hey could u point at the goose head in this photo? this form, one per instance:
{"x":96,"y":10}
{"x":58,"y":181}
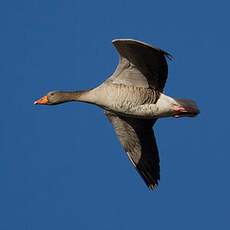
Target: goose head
{"x":52,"y":98}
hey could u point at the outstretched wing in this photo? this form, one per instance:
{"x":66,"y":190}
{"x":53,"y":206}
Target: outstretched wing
{"x":140,"y":65}
{"x":137,"y":138}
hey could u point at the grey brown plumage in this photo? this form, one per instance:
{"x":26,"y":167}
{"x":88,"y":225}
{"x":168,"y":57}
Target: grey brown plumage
{"x":133,"y":99}
{"x":138,"y":140}
{"x":140,"y":65}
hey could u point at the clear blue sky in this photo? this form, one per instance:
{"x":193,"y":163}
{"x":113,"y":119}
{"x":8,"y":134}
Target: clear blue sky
{"x":62,"y":167}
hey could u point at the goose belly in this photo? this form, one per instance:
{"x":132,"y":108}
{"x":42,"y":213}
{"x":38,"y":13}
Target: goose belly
{"x":130,"y":101}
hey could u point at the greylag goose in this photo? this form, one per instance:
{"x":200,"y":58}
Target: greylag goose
{"x":133,"y":99}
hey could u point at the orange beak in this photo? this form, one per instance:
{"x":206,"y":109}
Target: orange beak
{"x":42,"y":101}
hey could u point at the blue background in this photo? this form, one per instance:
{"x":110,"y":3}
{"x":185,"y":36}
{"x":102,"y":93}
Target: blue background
{"x":62,"y":167}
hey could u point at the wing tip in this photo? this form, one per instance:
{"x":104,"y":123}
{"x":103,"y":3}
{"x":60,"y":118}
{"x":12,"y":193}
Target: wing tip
{"x":150,"y":180}
{"x":153,"y":186}
{"x":169,"y":56}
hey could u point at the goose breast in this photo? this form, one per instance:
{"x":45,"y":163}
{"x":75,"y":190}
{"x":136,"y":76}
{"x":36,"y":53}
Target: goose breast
{"x":122,"y":98}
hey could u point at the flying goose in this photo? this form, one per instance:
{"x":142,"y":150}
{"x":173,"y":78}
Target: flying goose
{"x":133,"y":99}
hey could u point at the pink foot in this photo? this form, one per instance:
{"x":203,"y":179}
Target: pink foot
{"x":185,"y":110}
{"x":181,"y":109}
